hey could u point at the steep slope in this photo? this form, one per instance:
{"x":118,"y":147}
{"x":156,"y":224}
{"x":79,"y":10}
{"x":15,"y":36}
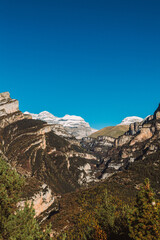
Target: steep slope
{"x":74,"y":125}
{"x":51,"y":164}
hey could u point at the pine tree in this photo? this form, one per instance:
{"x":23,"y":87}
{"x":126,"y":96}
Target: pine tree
{"x":144,"y":220}
{"x":16,"y":224}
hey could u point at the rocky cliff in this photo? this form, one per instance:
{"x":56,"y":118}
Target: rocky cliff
{"x":9,"y":110}
{"x":139,"y":143}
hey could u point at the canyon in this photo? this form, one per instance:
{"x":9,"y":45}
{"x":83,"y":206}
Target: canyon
{"x":54,"y":162}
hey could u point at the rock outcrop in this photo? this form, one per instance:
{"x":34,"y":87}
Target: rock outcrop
{"x":41,"y":200}
{"x":9,"y":110}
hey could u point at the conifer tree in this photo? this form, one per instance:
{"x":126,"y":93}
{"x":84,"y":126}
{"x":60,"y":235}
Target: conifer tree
{"x":16,"y":224}
{"x":144,"y":220}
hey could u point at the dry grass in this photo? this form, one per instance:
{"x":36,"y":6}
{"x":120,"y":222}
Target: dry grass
{"x":114,"y":131}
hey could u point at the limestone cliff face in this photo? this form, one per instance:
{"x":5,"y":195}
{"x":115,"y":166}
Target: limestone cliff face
{"x":41,"y":200}
{"x":9,"y":110}
{"x":142,"y":139}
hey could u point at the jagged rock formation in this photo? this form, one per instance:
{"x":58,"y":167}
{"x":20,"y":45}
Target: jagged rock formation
{"x":141,"y":140}
{"x":74,"y":125}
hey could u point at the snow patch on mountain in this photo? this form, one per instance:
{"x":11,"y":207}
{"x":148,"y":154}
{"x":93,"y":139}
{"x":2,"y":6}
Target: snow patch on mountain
{"x":75,"y":125}
{"x":129,"y":120}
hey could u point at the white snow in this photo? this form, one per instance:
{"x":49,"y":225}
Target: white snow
{"x":129,"y":120}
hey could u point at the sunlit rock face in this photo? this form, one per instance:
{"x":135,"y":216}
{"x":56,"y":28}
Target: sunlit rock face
{"x":7,"y":105}
{"x":41,"y":201}
{"x":74,"y":125}
{"x":9,"y":110}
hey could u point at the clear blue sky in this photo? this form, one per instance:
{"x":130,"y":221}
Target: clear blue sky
{"x":96,"y":59}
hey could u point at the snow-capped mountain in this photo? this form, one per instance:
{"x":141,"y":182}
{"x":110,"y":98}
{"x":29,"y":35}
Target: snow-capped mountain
{"x":129,"y":120}
{"x":75,"y":125}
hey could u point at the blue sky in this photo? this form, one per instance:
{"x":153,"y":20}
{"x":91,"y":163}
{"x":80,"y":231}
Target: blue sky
{"x":96,"y":59}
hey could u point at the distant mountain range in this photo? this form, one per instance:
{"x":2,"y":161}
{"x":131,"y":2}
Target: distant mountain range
{"x":75,"y":125}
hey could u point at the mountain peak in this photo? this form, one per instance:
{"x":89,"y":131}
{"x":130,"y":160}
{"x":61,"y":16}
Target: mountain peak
{"x":129,"y":120}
